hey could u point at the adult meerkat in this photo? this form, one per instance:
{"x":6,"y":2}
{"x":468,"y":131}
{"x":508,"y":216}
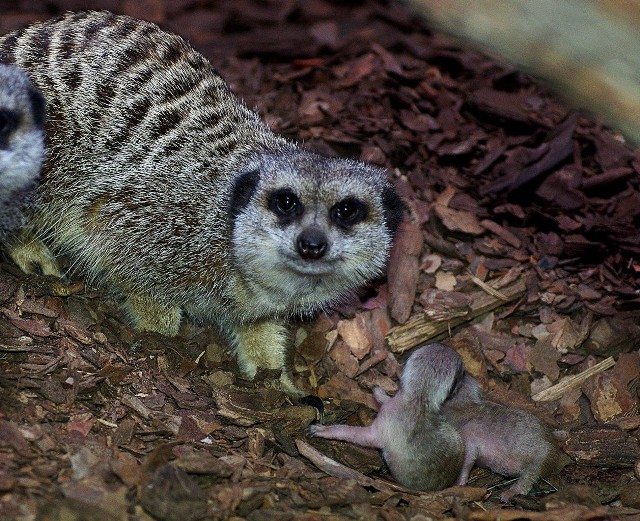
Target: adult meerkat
{"x":22,"y":111}
{"x":164,"y":185}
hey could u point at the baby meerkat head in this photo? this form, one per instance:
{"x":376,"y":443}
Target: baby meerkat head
{"x":432,"y":374}
{"x":309,"y":229}
{"x":22,"y":112}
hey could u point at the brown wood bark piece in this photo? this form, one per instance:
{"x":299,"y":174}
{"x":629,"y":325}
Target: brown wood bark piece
{"x":333,"y":468}
{"x":572,"y":512}
{"x":603,"y":445}
{"x":571,"y":382}
{"x":404,"y":270}
{"x":557,"y":148}
{"x":420,"y":329}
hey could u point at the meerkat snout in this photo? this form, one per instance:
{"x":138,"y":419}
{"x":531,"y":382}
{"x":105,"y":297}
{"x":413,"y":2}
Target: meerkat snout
{"x":312,"y":243}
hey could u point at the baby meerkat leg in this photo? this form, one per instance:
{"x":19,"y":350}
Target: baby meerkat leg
{"x":363,"y":436}
{"x":526,"y":480}
{"x":264,"y":345}
{"x":380,"y":396}
{"x":469,"y":460}
{"x":32,"y":255}
{"x":148,"y":314}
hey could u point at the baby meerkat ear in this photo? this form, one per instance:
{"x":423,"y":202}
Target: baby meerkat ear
{"x":458,"y":378}
{"x":393,"y":209}
{"x":244,"y":187}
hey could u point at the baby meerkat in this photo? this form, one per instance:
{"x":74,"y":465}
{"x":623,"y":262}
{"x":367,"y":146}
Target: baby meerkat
{"x":22,"y":112}
{"x":507,"y":440}
{"x":438,"y":416}
{"x":161,"y":184}
{"x":422,"y":450}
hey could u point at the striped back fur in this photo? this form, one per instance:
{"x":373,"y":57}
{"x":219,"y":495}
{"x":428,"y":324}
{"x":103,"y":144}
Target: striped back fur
{"x":139,"y":126}
{"x":122,"y":87}
{"x":148,"y":150}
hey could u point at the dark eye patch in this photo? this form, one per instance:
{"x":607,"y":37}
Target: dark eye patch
{"x":285,"y":204}
{"x":393,"y":209}
{"x":8,"y":122}
{"x":348,"y":212}
{"x":38,"y":107}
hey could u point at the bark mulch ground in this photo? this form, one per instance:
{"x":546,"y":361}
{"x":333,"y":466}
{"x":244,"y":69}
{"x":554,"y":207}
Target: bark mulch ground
{"x":521,"y":248}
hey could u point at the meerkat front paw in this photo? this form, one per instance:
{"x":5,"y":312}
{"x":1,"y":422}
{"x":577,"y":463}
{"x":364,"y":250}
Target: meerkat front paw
{"x":264,"y":345}
{"x":146,"y":313}
{"x":33,"y":256}
{"x":287,"y":385}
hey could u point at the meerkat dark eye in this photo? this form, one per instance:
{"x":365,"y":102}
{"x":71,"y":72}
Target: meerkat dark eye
{"x":285,"y":204}
{"x":348,"y":212}
{"x":8,"y":122}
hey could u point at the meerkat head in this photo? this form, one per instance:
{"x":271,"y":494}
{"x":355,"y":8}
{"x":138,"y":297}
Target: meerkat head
{"x":307,"y":229}
{"x":432,"y":374}
{"x":22,"y":112}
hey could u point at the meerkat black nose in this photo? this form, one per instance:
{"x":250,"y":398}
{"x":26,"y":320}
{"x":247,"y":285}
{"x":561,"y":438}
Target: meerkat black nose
{"x":312,"y":243}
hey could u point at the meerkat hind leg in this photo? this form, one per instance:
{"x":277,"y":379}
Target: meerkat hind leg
{"x":469,"y":461}
{"x":363,"y":436}
{"x":32,"y":255}
{"x":148,"y":314}
{"x":525,"y":481}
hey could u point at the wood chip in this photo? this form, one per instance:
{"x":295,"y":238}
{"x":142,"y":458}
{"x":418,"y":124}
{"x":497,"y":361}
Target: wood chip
{"x":571,"y":382}
{"x":419,"y":329}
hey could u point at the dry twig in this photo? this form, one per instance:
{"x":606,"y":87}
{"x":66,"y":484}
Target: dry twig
{"x":557,"y":391}
{"x":420,"y":329}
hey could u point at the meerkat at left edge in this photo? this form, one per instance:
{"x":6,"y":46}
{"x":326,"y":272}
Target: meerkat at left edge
{"x":163,"y":185}
{"x":22,"y":112}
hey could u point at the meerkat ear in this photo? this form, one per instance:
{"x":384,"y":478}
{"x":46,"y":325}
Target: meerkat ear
{"x":393,"y":209}
{"x":243,"y":188}
{"x":38,"y":106}
{"x":457,"y":378}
